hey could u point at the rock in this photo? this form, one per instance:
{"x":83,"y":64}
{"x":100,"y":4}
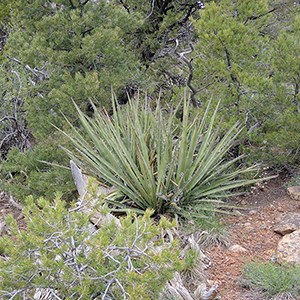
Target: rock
{"x":87,"y":202}
{"x":288,"y":250}
{"x":80,"y":179}
{"x":87,"y":185}
{"x":294,"y":192}
{"x":287,"y":223}
{"x":237,"y":248}
{"x":237,"y":212}
{"x":253,"y":212}
{"x":203,"y":293}
{"x":99,"y":219}
{"x":280,"y":209}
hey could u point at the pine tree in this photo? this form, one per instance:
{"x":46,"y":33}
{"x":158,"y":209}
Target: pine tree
{"x":67,"y":51}
{"x":282,"y":128}
{"x":251,"y":64}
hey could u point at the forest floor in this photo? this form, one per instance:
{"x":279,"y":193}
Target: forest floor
{"x":252,"y":229}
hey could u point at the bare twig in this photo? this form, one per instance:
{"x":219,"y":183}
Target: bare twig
{"x":84,"y":2}
{"x":72,"y":4}
{"x":151,"y":11}
{"x":251,"y":18}
{"x":125,"y":6}
{"x":188,"y":62}
{"x":6,"y":118}
{"x":232,"y":75}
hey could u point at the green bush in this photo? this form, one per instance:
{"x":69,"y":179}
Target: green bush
{"x":155,"y":161}
{"x":273,"y":279}
{"x":58,"y":253}
{"x":251,"y":64}
{"x":23,"y":173}
{"x":67,"y":50}
{"x":277,"y":144}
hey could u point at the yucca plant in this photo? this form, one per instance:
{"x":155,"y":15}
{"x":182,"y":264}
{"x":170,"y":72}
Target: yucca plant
{"x":155,"y":160}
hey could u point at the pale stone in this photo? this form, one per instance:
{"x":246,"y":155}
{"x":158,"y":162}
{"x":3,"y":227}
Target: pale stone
{"x":294,"y":192}
{"x":237,"y":248}
{"x":80,"y":179}
{"x":288,"y":250}
{"x":287,"y":223}
{"x":280,"y":209}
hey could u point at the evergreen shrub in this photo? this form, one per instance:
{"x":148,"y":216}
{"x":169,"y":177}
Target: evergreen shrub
{"x":272,"y":279}
{"x":61,"y":256}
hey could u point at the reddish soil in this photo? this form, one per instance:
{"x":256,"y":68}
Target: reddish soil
{"x":253,"y":231}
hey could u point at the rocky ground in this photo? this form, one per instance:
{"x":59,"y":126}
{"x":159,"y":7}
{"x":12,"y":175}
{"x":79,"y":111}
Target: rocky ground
{"x":251,"y":235}
{"x":253,"y":230}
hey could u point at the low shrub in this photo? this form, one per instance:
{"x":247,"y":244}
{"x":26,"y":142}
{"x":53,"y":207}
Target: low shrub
{"x":60,"y":255}
{"x":272,"y":279}
{"x":24,"y":173}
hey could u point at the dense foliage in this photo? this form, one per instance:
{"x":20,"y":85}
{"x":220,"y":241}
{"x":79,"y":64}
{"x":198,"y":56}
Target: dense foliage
{"x":238,"y":59}
{"x":60,"y":256}
{"x":52,"y":53}
{"x":273,"y":280}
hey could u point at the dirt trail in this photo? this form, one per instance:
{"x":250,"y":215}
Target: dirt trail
{"x":253,"y":231}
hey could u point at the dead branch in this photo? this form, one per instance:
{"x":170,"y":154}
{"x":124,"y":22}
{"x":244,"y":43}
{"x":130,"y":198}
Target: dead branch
{"x":126,"y":7}
{"x":189,"y":64}
{"x":252,"y":18}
